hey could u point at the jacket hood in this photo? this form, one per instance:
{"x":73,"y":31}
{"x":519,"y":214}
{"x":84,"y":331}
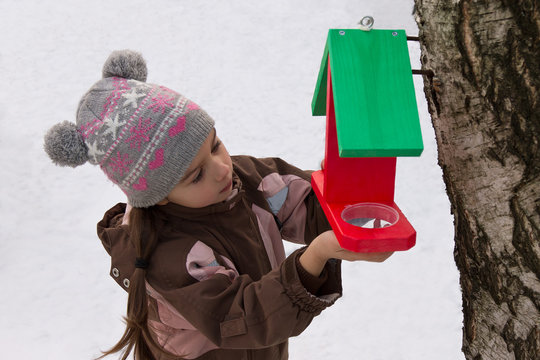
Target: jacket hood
{"x":114,"y":235}
{"x":115,"y":239}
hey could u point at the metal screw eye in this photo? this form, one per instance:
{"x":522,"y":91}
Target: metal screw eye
{"x":366,"y":23}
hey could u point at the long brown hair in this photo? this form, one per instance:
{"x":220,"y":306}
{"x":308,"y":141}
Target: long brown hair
{"x":137,"y":337}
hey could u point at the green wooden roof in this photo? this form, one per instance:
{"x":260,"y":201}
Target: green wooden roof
{"x":374,"y":98}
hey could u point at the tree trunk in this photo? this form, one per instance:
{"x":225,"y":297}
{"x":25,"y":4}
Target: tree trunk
{"x":485,"y":108}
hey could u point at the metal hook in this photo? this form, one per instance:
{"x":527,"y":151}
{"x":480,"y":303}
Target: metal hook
{"x":366,"y":23}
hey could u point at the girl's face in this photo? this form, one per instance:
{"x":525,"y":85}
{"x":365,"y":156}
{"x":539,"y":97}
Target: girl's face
{"x":208,"y":180}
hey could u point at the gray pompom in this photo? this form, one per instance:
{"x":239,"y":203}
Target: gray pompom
{"x":126,"y":64}
{"x":65,"y":145}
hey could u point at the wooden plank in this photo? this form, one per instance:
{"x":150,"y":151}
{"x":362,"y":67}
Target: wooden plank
{"x":375,"y":103}
{"x":357,"y":179}
{"x":318,"y":103}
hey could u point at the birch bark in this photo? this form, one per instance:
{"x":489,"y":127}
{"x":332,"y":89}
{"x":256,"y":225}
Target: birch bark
{"x":484,"y":101}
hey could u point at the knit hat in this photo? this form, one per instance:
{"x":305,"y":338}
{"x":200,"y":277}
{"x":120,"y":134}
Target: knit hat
{"x":143,"y":136}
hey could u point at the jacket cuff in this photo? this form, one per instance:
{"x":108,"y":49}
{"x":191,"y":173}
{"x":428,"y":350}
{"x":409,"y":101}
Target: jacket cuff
{"x":327,"y":293}
{"x":310,"y":282}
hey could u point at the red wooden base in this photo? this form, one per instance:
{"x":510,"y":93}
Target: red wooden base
{"x":398,"y":237}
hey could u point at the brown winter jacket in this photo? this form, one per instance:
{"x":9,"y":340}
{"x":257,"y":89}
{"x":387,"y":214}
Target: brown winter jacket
{"x":219,"y":284}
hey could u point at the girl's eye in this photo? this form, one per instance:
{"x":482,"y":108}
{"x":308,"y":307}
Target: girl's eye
{"x":216,"y":146}
{"x":198,"y":177}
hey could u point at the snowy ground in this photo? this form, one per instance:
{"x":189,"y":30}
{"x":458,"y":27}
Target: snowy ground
{"x":252,"y":65}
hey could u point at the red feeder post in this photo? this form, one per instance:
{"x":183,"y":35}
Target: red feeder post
{"x":366,"y":91}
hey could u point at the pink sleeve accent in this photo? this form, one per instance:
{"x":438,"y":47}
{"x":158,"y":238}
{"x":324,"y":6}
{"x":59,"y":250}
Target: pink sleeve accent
{"x":174,"y":333}
{"x":292,"y":213}
{"x":270,"y":235}
{"x":201,"y":263}
{"x":271,"y":185}
{"x":189,"y":344}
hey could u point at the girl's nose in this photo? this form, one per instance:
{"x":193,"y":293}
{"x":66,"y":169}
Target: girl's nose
{"x":221,"y":169}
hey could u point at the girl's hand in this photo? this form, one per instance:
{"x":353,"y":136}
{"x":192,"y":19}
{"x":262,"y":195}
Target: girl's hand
{"x":326,"y":246}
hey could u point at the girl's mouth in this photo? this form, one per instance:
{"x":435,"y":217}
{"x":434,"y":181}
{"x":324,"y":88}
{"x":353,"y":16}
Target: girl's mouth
{"x":229,"y":185}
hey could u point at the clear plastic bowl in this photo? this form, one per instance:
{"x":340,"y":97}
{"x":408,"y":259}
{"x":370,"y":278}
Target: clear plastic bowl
{"x":370,"y":215}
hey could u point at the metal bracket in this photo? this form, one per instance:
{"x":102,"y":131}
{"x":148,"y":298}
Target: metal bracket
{"x":428,"y":73}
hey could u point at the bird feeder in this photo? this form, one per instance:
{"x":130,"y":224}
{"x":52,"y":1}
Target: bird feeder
{"x":365,"y":89}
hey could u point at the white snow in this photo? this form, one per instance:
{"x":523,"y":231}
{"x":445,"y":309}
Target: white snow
{"x":253,"y":66}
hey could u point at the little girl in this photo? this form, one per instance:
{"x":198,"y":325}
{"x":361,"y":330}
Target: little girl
{"x":199,"y":245}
